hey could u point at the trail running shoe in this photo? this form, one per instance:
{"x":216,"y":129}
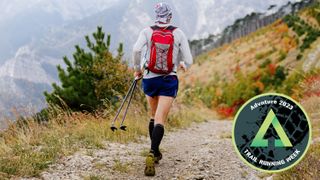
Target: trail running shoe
{"x":150,"y":170}
{"x":158,"y":158}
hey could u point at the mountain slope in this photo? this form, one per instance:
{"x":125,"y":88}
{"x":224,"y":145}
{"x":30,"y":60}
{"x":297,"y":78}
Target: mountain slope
{"x":50,"y":29}
{"x":243,"y":26}
{"x":283,"y":57}
{"x":277,"y":42}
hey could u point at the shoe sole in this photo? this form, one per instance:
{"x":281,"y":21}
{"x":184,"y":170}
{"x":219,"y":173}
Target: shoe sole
{"x":149,"y":170}
{"x":157,"y":159}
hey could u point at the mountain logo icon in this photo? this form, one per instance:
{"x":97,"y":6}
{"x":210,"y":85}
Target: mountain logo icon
{"x":271,"y":118}
{"x":271,"y":132}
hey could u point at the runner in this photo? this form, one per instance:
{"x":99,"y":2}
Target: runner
{"x":167,"y":49}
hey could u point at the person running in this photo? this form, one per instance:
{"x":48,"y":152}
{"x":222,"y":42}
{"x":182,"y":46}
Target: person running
{"x":167,"y":49}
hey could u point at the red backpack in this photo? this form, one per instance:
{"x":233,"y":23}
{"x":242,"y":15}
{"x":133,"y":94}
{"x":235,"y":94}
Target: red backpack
{"x":162,"y":42}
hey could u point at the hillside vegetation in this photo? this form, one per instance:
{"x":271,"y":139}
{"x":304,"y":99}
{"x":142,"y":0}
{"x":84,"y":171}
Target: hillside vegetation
{"x":277,"y":58}
{"x":283,"y":57}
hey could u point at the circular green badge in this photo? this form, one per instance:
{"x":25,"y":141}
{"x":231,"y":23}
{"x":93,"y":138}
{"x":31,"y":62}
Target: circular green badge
{"x":271,"y":132}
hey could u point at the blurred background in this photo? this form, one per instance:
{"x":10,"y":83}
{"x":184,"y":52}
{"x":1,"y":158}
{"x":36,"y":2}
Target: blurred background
{"x":36,"y":34}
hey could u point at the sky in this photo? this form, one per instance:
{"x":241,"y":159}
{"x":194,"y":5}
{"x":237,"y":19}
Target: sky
{"x":10,"y":8}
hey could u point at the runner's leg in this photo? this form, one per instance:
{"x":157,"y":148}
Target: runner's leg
{"x":164,"y":105}
{"x":153,"y":103}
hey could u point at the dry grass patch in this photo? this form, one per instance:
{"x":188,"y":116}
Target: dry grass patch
{"x":28,"y":148}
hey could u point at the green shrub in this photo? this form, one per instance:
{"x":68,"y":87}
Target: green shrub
{"x":300,"y":31}
{"x":272,"y":80}
{"x":204,"y":93}
{"x":302,"y":28}
{"x":245,"y":86}
{"x":279,"y":76}
{"x":93,"y":76}
{"x":239,"y":90}
{"x":291,"y":83}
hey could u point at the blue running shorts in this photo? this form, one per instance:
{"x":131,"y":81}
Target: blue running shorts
{"x":161,"y":86}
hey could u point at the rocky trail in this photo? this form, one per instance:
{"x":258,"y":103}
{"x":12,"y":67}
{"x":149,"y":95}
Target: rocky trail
{"x":202,"y":151}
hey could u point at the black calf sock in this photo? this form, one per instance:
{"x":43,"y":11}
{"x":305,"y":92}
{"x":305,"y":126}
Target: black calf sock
{"x":151,"y":126}
{"x":157,"y":135}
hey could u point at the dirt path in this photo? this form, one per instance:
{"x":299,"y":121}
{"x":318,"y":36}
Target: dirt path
{"x":203,"y":151}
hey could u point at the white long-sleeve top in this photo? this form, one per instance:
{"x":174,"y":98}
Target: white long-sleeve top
{"x":181,"y":51}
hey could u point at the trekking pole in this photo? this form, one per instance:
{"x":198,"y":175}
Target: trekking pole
{"x":113,"y":127}
{"x":129,"y":93}
{"x":123,"y":127}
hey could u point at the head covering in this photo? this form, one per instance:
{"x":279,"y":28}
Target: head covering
{"x":163,"y":13}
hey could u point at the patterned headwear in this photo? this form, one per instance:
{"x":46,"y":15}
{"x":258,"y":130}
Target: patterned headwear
{"x":163,"y":13}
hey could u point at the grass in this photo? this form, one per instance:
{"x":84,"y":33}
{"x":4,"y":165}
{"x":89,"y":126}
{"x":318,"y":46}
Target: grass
{"x":99,"y":166}
{"x":182,"y":116}
{"x":144,"y":152}
{"x":94,"y":177}
{"x":308,"y":168}
{"x":244,"y":173}
{"x":202,"y":58}
{"x":312,"y":106}
{"x":225,"y":135}
{"x":28,"y":148}
{"x":121,"y":167}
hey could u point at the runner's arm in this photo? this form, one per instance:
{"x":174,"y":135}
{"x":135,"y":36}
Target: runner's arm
{"x":137,"y":48}
{"x":186,"y":56}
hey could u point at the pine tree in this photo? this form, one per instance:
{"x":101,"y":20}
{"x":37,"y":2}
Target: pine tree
{"x":93,"y":76}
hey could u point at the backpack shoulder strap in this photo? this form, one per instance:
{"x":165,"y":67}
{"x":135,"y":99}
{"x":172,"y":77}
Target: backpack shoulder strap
{"x":155,"y":27}
{"x":170,"y":28}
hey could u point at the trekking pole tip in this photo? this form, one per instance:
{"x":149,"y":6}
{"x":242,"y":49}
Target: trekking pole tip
{"x":124,"y":128}
{"x":113,"y":128}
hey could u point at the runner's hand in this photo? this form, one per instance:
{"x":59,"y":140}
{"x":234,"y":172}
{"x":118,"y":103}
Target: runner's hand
{"x":182,"y":66}
{"x":138,"y":74}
